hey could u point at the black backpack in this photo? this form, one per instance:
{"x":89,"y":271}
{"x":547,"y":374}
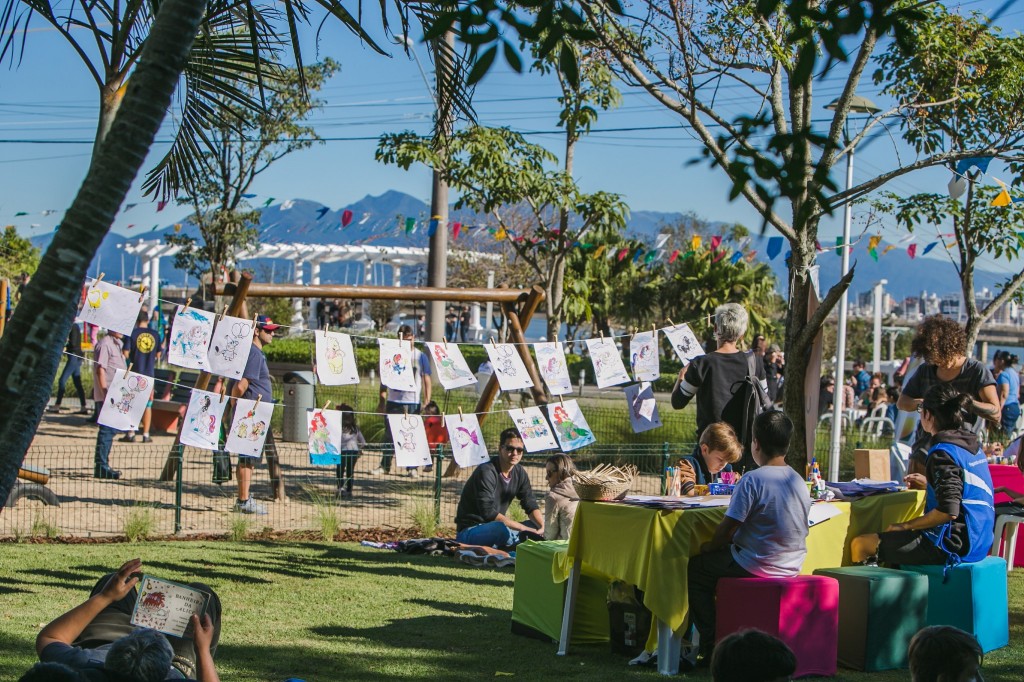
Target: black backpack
{"x":753,"y":400}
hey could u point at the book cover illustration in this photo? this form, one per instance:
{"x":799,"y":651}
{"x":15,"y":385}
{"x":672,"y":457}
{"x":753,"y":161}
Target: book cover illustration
{"x":167,"y":606}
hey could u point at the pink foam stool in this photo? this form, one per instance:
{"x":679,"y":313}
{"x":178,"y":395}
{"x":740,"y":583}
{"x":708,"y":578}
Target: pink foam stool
{"x":802,"y":611}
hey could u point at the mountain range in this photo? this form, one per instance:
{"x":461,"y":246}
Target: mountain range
{"x":381,"y":220}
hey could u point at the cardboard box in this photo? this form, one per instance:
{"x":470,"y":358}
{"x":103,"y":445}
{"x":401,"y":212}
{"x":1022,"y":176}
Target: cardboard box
{"x":873,"y":464}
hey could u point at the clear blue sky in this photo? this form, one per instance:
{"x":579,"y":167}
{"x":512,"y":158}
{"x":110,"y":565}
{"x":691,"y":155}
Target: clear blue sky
{"x":51,"y":97}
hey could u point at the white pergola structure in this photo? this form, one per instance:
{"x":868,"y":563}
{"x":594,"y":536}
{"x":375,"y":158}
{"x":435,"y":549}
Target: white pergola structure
{"x":150,"y":251}
{"x":317,"y":254}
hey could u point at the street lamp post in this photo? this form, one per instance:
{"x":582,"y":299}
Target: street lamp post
{"x":859,"y":105}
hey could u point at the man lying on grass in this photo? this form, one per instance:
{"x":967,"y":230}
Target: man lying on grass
{"x":96,"y":641}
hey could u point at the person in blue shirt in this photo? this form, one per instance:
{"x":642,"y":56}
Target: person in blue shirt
{"x":1008,"y":388}
{"x":862,"y":376}
{"x":142,"y":351}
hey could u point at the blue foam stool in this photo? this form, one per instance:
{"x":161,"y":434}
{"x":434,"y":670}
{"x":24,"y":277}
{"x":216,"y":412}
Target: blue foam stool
{"x":973,"y":599}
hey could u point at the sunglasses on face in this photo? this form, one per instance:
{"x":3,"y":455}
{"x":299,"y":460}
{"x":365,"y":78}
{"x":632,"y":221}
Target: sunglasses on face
{"x":514,"y":451}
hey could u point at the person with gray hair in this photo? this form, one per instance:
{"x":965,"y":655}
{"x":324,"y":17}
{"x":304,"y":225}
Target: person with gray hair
{"x":717,"y":380}
{"x":97,"y":638}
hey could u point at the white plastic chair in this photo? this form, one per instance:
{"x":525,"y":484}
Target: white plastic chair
{"x":1007,"y":523}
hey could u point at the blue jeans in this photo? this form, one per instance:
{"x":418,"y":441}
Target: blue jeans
{"x":391,"y":407}
{"x":493,"y":534}
{"x":72,"y":369}
{"x":104,"y":441}
{"x":1011,"y":413}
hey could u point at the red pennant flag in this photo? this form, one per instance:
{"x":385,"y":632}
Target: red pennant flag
{"x":346,"y":218}
{"x":456,"y":228}
{"x":912,"y":251}
{"x":672,"y":258}
{"x":160,"y":206}
{"x":622,"y":253}
{"x":720,"y":256}
{"x":715,"y":241}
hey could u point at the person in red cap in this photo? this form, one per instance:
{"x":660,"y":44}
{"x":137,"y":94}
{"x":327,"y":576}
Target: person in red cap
{"x":255,"y":382}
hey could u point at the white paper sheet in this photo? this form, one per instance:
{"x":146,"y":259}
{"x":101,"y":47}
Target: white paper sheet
{"x":111,"y":307}
{"x":508,"y":366}
{"x":126,"y":400}
{"x":468,"y":446}
{"x":229,"y":348}
{"x":554,"y":370}
{"x":450,"y":366}
{"x":533,"y":428}
{"x":822,"y":511}
{"x":410,"y":438}
{"x":335,"y":359}
{"x":324,"y":429}
{"x":684,"y":342}
{"x":643,"y":408}
{"x":190,"y":338}
{"x":249,"y":427}
{"x":201,"y":426}
{"x":643,"y":356}
{"x":396,"y":369}
{"x":608,"y":367}
{"x":571,"y":427}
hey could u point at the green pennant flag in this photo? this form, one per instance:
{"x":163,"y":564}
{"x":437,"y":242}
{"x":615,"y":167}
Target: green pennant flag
{"x":873,"y":252}
{"x":410,"y":225}
{"x":688,"y":254}
{"x":268,"y":202}
{"x":839,"y":246}
{"x":20,"y":213}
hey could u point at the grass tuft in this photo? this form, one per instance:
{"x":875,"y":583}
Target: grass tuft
{"x":239,"y":526}
{"x":139,"y":522}
{"x":424,"y":518}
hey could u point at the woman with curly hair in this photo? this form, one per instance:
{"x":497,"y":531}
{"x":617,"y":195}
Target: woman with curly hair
{"x":943,"y":345}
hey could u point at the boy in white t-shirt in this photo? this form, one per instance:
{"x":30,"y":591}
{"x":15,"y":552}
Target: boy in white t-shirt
{"x":764,"y":532}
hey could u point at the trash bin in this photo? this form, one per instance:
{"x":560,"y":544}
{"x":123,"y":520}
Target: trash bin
{"x":298,"y":397}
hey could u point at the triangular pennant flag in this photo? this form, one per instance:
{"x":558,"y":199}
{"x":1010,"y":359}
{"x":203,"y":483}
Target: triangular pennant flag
{"x":957,"y":186}
{"x":839,"y":246}
{"x":346,"y":218}
{"x":949,"y":245}
{"x":688,"y":254}
{"x":410,"y":225}
{"x":736,"y":257}
{"x":177,"y":227}
{"x":1002,"y":199}
{"x":321,"y":212}
{"x":873,"y":242}
{"x":888,"y":248}
{"x":268,"y":202}
{"x":160,"y":205}
{"x":774,"y":247}
{"x":248,"y":196}
{"x":672,"y":258}
{"x":366,"y":216}
{"x":432,"y":227}
{"x":660,"y":241}
{"x":20,"y":213}
{"x":650,"y":256}
{"x":600,"y":250}
{"x":817,"y":246}
{"x":718,"y":256}
{"x":622,"y":254}
{"x":128,"y":207}
{"x":456,"y":228}
{"x":979,"y":162}
{"x":873,"y":253}
{"x":751,"y":256}
{"x":638,"y":253}
{"x":912,"y":251}
{"x":929,"y":248}
{"x":716,"y":241}
{"x":287,"y":204}
{"x":500,"y":234}
{"x":695,"y":242}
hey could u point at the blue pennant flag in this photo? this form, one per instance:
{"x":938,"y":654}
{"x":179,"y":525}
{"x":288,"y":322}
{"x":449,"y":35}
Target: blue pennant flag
{"x":774,"y":247}
{"x":979,"y":162}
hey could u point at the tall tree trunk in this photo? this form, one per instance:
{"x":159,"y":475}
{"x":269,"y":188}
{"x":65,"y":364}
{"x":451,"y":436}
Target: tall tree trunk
{"x":30,"y":350}
{"x":111,"y":95}
{"x":554,"y":297}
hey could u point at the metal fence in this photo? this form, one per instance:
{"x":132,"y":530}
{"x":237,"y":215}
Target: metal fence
{"x":139,"y":504}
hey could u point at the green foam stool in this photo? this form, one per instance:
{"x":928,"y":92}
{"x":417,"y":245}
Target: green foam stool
{"x":879,"y":611}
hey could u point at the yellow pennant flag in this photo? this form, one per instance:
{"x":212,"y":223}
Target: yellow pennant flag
{"x":500,"y":234}
{"x":873,"y":241}
{"x":888,"y":249}
{"x":950,"y":245}
{"x":1002,"y":199}
{"x":600,"y":250}
{"x":695,"y":242}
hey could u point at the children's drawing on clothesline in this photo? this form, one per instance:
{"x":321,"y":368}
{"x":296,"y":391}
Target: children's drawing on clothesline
{"x":554,"y":370}
{"x":643,"y":356}
{"x":508,"y":366}
{"x":571,"y":427}
{"x":201,"y":426}
{"x":229,"y":349}
{"x":410,"y":438}
{"x":190,"y":338}
{"x":643,"y":408}
{"x":111,"y":307}
{"x":396,"y":364}
{"x":335,"y":361}
{"x":249,"y":427}
{"x":468,"y":446}
{"x":534,"y":429}
{"x":452,"y":369}
{"x":324,"y":428}
{"x":126,"y":400}
{"x":684,"y":342}
{"x":608,"y":367}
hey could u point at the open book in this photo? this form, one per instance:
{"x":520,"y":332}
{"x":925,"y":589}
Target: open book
{"x":167,"y":607}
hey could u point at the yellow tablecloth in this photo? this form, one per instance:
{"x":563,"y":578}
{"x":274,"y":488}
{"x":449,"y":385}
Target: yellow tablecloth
{"x":651,"y":549}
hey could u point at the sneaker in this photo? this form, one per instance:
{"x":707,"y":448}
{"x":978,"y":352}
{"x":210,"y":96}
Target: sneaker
{"x":377,"y":472}
{"x":53,"y":409}
{"x":146,"y":439}
{"x":129,"y":438}
{"x":84,"y":410}
{"x":103,"y":472}
{"x":414,"y":473}
{"x":250,"y":507}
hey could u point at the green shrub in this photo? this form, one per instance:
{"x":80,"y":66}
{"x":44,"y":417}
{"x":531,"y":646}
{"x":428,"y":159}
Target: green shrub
{"x":139,"y":523}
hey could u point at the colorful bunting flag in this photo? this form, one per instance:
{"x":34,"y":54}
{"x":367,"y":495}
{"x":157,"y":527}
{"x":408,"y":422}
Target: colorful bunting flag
{"x":636,"y":256}
{"x":1002,"y":199}
{"x":268,"y":202}
{"x":160,"y":205}
{"x":177,"y":227}
{"x":839,"y":246}
{"x":600,"y":250}
{"x":500,"y":234}
{"x":718,"y":256}
{"x":716,"y":242}
{"x":672,"y":258}
{"x":979,"y":162}
{"x":873,"y":242}
{"x":20,"y":213}
{"x":321,"y":212}
{"x":248,"y":196}
{"x":695,"y":242}
{"x":736,"y":257}
{"x":912,"y":251}
{"x":346,"y":218}
{"x":456,"y":228}
{"x":650,"y":257}
{"x":660,"y":241}
{"x":888,"y":248}
{"x":774,"y":247}
{"x":751,"y":256}
{"x":688,"y":254}
{"x":873,"y":253}
{"x":929,"y":248}
{"x":128,"y":207}
{"x":622,"y":254}
{"x":410,"y":225}
{"x":432,"y":226}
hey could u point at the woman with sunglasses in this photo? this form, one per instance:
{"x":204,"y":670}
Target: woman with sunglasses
{"x":959,"y":516}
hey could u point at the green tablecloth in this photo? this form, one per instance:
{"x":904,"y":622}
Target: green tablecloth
{"x":651,"y":549}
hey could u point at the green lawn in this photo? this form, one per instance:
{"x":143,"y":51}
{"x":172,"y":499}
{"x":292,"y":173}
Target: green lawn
{"x":343,"y":612}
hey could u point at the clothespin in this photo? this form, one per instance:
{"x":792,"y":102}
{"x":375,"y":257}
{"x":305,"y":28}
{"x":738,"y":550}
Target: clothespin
{"x":560,"y":401}
{"x":98,"y":280}
{"x":326,"y":405}
{"x":493,"y":344}
{"x":632,"y":333}
{"x":223,"y":391}
{"x":187,"y":304}
{"x":326,"y":329}
{"x":223,"y":313}
{"x":601,"y":332}
{"x":142,"y":293}
{"x":444,"y":341}
{"x":461,"y":416}
{"x":670,"y":322}
{"x":709,"y":319}
{"x":259,"y":397}
{"x":254,"y":318}
{"x":128,"y":369}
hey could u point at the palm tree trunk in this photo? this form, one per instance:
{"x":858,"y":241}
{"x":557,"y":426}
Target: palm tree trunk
{"x":31,"y":347}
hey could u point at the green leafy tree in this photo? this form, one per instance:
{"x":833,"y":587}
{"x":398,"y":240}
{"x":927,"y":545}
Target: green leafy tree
{"x":245,"y":145}
{"x":777,"y":158}
{"x":17,"y":255}
{"x":972,"y":79}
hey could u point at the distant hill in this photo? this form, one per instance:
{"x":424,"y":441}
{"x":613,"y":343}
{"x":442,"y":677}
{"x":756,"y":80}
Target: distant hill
{"x":380,"y":220}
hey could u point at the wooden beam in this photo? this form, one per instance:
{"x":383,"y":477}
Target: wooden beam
{"x":498,"y":295}
{"x":238,"y":291}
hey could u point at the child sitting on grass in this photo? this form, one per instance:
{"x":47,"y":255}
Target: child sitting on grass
{"x":764,"y":532}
